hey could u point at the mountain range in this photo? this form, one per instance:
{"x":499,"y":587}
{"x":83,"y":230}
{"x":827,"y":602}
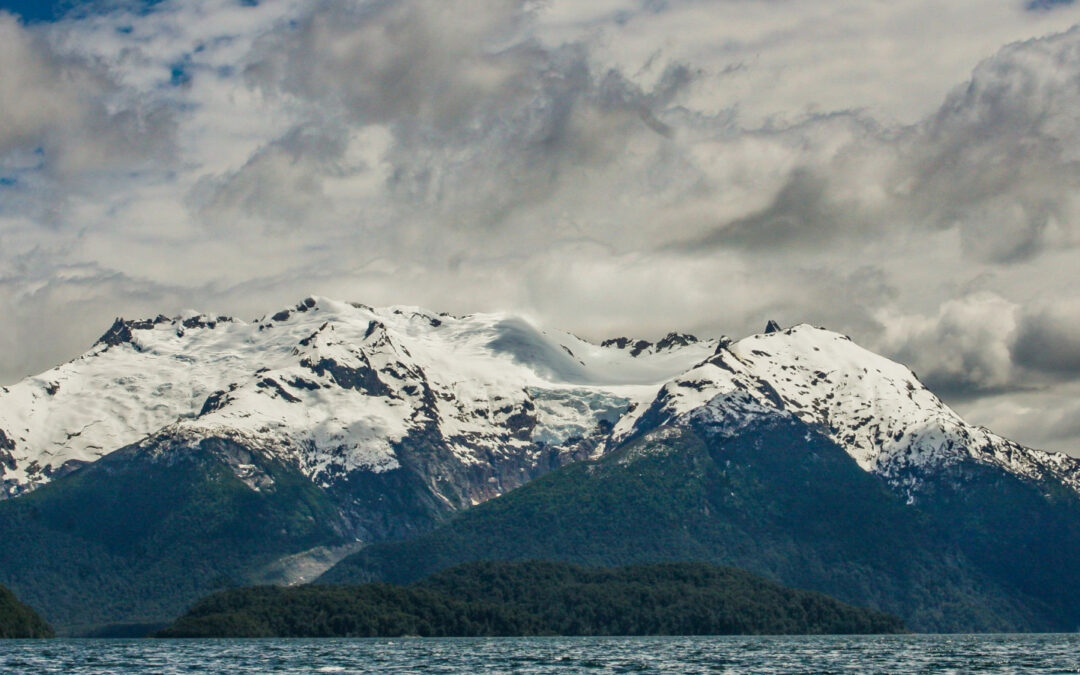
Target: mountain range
{"x":184,"y":455}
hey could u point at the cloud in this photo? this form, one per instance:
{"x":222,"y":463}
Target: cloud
{"x":76,"y":297}
{"x":1048,"y":338}
{"x":611,"y":168}
{"x":965,"y":349}
{"x":485,"y":122}
{"x":996,"y":163}
{"x":981,"y":344}
{"x":66,"y":111}
{"x":280,"y":185}
{"x":1044,"y":5}
{"x":802,"y":214}
{"x":1043,"y":418}
{"x":999,"y":159}
{"x":40,"y":91}
{"x":419,"y":62}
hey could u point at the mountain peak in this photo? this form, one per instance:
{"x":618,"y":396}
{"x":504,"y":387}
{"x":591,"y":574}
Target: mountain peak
{"x":772,"y":327}
{"x":675,"y":340}
{"x":874,"y":408}
{"x":120,"y":331}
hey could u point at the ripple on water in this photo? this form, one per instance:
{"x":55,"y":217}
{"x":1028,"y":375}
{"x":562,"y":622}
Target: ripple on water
{"x":539,"y":656}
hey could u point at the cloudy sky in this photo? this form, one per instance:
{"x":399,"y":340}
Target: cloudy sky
{"x":903,"y":171}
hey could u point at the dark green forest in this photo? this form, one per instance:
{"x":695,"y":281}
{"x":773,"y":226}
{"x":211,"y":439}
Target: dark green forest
{"x":132,"y":540}
{"x":18,"y":620}
{"x":785,"y":502}
{"x":534,"y":598}
{"x":135,"y":538}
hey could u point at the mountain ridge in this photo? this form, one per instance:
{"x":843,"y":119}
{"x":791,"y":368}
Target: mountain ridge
{"x":20,"y":621}
{"x":197,"y":375}
{"x":877,"y":409}
{"x":487,"y":384}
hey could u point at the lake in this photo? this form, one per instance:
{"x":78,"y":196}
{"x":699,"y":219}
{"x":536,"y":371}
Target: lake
{"x":810,"y":654}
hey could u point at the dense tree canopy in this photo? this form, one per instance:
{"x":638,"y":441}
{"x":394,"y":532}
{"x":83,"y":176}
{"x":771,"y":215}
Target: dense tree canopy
{"x":18,"y":620}
{"x":534,"y":598}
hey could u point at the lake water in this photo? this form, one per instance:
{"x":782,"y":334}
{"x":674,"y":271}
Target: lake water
{"x":831,"y":654}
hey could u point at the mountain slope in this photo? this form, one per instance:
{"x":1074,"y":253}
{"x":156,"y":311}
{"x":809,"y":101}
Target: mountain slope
{"x":327,"y":423}
{"x":778,"y":498}
{"x":339,"y":389}
{"x":876,"y":409}
{"x":18,"y":620}
{"x":136,"y":536}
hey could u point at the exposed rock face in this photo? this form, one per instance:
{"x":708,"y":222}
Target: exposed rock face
{"x":635,"y":347}
{"x":675,"y":340}
{"x":6,"y":447}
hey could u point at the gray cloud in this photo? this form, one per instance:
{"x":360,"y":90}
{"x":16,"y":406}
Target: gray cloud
{"x":1048,"y":338}
{"x":280,"y":185}
{"x":69,"y":112}
{"x":998,"y":160}
{"x":419,"y":61}
{"x":996,"y":163}
{"x":982,"y":343}
{"x":963,"y":350}
{"x":69,"y":133}
{"x":1044,"y":5}
{"x":77,"y":298}
{"x":477,"y":143}
{"x":801,"y":214}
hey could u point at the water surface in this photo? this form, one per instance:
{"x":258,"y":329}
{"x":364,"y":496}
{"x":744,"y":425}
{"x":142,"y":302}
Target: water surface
{"x":829,"y":654}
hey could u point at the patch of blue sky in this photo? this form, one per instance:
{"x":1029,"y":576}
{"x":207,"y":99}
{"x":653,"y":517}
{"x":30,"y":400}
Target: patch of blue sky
{"x":39,"y":11}
{"x":180,"y":72}
{"x":34,"y":10}
{"x":1045,"y":5}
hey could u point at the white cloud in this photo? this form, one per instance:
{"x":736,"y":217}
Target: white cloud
{"x":966,"y":346}
{"x":622,"y":167}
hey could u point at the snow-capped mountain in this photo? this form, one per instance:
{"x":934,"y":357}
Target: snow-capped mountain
{"x":874,"y":408}
{"x":196,"y":449}
{"x":336,"y":388}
